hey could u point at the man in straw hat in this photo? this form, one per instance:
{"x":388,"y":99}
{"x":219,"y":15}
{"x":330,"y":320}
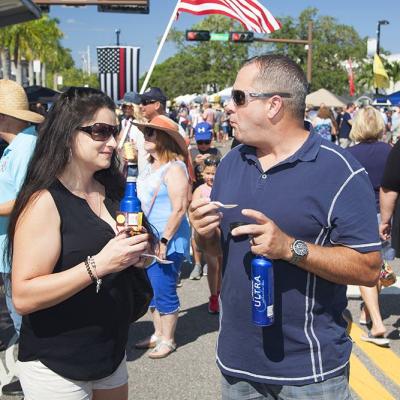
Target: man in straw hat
{"x":17,"y":130}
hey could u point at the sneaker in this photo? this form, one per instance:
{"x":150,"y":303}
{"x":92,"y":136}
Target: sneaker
{"x":179,"y":282}
{"x":213,"y":305}
{"x":205,"y":270}
{"x":196,"y":273}
{"x":13,"y":389}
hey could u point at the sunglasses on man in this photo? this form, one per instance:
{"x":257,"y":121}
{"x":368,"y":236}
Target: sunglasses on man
{"x":203,"y":142}
{"x":240,"y":97}
{"x":146,"y":102}
{"x":100,"y":132}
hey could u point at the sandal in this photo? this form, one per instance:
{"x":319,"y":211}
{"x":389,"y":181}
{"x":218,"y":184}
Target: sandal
{"x":148,"y":343}
{"x":378,"y":340}
{"x":163,"y":349}
{"x":364,"y":321}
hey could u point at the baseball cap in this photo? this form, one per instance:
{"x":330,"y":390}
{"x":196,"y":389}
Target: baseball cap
{"x":131,"y":97}
{"x":203,"y":131}
{"x":154,"y":94}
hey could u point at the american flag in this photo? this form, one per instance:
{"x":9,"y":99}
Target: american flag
{"x":250,"y":13}
{"x":118,"y":70}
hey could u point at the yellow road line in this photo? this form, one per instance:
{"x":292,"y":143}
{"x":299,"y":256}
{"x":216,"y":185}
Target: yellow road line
{"x":384,"y":358}
{"x":364,"y":384}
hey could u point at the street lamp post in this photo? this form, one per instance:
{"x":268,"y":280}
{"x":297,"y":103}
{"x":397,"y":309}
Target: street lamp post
{"x":117,"y":32}
{"x":378,"y":34}
{"x":378,"y":39}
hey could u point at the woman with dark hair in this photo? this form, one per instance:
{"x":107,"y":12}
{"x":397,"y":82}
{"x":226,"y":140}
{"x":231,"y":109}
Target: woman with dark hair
{"x":163,"y":189}
{"x":70,"y":267}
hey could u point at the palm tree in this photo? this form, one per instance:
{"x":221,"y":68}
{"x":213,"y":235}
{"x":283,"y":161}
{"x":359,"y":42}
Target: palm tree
{"x":393,"y":70}
{"x":29,"y":40}
{"x":365,"y":76}
{"x":5,"y":51}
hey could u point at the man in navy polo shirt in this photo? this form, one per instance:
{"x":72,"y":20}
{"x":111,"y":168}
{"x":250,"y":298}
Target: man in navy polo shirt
{"x":318,"y":227}
{"x":345,"y":126}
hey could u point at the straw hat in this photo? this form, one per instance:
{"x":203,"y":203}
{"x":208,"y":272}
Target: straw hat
{"x":165,"y":124}
{"x":14,"y":102}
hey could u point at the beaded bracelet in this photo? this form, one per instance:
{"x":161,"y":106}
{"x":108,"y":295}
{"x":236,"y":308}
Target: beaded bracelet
{"x":91,"y":264}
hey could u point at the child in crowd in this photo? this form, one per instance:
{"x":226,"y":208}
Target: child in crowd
{"x":213,"y":263}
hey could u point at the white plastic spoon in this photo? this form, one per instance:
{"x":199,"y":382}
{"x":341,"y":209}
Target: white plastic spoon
{"x":158,"y":259}
{"x":221,"y":205}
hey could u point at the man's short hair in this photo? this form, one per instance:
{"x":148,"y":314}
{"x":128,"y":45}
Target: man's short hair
{"x":278,"y":73}
{"x":349,"y":105}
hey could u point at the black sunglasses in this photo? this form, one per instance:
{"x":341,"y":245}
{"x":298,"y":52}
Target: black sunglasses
{"x":211,"y":162}
{"x":203,"y":141}
{"x":149,"y":132}
{"x":239,"y":97}
{"x":100,"y":132}
{"x":146,"y":102}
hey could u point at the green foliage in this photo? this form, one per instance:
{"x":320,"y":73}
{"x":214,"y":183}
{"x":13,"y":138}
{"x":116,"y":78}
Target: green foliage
{"x":198,"y":64}
{"x":333,"y":44}
{"x":76,"y":77}
{"x":37,"y":39}
{"x":365,"y":74}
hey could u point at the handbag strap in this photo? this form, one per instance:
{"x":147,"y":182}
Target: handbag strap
{"x":154,"y":199}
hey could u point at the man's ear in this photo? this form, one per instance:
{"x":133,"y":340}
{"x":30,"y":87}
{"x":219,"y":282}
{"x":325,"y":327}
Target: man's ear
{"x":274,"y":106}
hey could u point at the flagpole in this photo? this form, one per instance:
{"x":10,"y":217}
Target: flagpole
{"x":160,"y":46}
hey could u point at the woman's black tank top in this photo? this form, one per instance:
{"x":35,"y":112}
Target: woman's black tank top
{"x":84,"y":337}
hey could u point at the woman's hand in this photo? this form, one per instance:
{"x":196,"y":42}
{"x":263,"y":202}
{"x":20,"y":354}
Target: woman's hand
{"x":162,"y":251}
{"x":121,"y":252}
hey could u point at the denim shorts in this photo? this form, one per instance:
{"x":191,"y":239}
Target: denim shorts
{"x":336,"y":388}
{"x":163,"y":278}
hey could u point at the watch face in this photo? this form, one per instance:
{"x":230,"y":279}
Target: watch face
{"x":300,"y":248}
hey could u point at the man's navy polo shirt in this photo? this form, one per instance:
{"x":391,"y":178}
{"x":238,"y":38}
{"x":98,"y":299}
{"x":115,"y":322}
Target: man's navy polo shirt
{"x":321,"y":195}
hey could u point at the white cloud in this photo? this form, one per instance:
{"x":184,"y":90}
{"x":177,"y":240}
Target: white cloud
{"x":71,"y":21}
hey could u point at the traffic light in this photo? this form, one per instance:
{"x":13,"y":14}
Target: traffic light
{"x":241,"y":37}
{"x":200,"y":36}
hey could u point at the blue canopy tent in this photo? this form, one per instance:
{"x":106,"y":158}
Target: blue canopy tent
{"x":394,"y":98}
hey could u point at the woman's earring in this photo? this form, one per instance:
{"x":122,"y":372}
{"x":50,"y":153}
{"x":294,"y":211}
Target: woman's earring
{"x":70,"y":155}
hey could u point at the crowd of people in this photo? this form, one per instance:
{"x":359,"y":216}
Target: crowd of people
{"x":68,"y":270}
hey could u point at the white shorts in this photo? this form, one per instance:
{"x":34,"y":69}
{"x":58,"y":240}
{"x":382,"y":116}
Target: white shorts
{"x":41,"y":383}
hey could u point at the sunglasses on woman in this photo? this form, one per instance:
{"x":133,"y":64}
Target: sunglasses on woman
{"x":149,"y":132}
{"x":240,"y":97}
{"x":100,"y":132}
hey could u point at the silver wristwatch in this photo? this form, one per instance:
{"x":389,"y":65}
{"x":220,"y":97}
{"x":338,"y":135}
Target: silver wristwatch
{"x":299,"y":251}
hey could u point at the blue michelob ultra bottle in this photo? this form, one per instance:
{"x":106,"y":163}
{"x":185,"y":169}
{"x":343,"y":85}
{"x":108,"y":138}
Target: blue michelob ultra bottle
{"x":130,"y":212}
{"x":262,"y":291}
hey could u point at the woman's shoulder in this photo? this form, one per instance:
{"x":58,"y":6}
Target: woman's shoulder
{"x":41,"y":207}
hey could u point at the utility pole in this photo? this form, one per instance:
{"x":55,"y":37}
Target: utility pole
{"x":88,"y":60}
{"x":307,"y":42}
{"x":378,"y":41}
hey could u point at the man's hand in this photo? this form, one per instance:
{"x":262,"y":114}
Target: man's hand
{"x":204,"y":217}
{"x":385,"y":230}
{"x":199,"y":159}
{"x":266,"y":238}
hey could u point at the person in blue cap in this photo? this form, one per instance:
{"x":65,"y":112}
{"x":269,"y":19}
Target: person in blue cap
{"x":203,"y":134}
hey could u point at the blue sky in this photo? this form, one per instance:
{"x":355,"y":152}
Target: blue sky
{"x":85,"y":26}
